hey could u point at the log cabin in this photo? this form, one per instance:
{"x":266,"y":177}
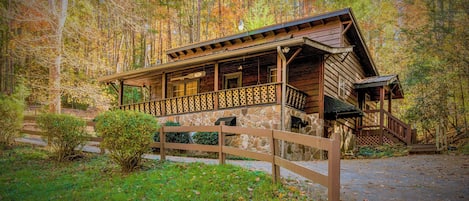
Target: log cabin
{"x":313,"y":76}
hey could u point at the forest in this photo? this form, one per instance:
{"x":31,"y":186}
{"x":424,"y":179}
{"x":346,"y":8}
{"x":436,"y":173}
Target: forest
{"x":52,"y":52}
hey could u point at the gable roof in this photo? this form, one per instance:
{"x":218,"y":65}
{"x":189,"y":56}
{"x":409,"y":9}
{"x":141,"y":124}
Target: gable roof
{"x":139,"y":76}
{"x":344,"y":15}
{"x":372,"y":83}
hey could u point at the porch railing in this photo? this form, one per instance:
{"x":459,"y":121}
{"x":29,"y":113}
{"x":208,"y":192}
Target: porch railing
{"x":223,"y":99}
{"x":387,"y":122}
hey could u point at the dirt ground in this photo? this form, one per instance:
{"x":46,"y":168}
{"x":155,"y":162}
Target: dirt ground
{"x":416,"y":177}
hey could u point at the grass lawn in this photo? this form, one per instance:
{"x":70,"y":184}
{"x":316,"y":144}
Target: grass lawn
{"x":27,"y":173}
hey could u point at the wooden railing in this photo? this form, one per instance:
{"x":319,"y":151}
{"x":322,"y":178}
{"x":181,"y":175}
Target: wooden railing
{"x":331,"y":145}
{"x":390,"y":124}
{"x":295,"y":98}
{"x":229,"y":98}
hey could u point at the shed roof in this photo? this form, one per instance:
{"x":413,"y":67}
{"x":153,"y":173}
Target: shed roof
{"x":392,"y":81}
{"x":337,"y":109}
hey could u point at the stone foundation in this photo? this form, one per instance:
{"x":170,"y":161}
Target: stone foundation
{"x":268,"y":117}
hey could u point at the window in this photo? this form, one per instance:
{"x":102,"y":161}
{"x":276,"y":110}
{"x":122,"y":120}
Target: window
{"x":273,"y":74}
{"x":184,"y":88}
{"x":342,"y":88}
{"x":232,"y":80}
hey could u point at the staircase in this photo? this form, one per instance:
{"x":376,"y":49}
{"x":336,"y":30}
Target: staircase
{"x":388,"y":129}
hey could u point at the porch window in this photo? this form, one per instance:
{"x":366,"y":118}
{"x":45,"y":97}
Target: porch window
{"x":232,"y":80}
{"x":184,"y":88}
{"x":273,"y":74}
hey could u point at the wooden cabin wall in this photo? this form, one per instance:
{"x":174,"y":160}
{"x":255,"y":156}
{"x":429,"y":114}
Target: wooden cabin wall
{"x":303,"y":74}
{"x":156,"y":90}
{"x":250,"y":68}
{"x":348,"y":69}
{"x":329,"y":33}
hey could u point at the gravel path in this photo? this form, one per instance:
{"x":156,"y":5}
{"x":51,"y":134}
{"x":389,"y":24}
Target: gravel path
{"x":414,"y":177}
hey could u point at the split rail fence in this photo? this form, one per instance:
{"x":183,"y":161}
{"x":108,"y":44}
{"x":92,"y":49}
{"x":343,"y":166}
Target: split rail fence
{"x":332,"y":146}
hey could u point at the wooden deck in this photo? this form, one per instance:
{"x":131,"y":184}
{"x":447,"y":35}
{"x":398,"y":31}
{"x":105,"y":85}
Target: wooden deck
{"x":423,"y":148}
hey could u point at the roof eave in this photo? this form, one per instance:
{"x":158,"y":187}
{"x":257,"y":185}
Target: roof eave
{"x":223,"y":55}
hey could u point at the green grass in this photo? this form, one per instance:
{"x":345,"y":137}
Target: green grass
{"x":28,"y":174}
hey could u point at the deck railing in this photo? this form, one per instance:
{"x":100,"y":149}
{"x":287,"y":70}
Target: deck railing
{"x":229,"y":98}
{"x":388,"y":123}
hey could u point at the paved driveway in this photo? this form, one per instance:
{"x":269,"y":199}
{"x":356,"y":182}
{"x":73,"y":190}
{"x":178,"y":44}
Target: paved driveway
{"x":414,"y":177}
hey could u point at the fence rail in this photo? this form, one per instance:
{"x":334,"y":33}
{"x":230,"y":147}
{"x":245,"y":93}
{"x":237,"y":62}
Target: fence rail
{"x":332,"y":146}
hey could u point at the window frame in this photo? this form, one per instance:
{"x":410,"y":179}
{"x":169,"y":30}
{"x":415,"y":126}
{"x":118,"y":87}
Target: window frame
{"x":237,"y":75}
{"x":185,"y":83}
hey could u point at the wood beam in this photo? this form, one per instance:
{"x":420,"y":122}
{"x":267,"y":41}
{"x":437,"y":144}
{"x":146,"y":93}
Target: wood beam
{"x":381,"y":114}
{"x":294,"y":55}
{"x":215,"y":87}
{"x":121,"y":92}
{"x":389,"y":101}
{"x":163,"y":85}
{"x":321,"y":89}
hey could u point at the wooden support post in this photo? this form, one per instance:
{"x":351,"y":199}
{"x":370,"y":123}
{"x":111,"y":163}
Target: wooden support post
{"x":389,"y":101}
{"x":121,"y":92}
{"x":321,"y":90}
{"x":274,"y":151}
{"x":215,"y":86}
{"x":162,"y":141}
{"x":381,"y":115}
{"x":279,"y":79}
{"x":221,"y":143}
{"x":333,"y":174}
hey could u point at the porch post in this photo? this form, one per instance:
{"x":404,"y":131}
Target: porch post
{"x":121,"y":92}
{"x":215,"y":87}
{"x":163,"y":93}
{"x":381,"y":115}
{"x":389,"y":101}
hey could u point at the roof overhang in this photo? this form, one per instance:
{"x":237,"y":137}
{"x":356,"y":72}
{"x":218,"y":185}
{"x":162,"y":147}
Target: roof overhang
{"x":372,"y":85}
{"x":212,"y":58}
{"x":337,"y":109}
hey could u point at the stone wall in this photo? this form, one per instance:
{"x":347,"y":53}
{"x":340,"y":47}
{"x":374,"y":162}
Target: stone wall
{"x":266,"y":116}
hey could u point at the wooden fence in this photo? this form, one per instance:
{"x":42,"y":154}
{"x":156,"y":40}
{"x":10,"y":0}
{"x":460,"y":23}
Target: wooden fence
{"x":332,"y":146}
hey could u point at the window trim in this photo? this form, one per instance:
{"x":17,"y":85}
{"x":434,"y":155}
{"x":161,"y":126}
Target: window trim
{"x":238,"y":75}
{"x":341,"y":88}
{"x":185,"y":82}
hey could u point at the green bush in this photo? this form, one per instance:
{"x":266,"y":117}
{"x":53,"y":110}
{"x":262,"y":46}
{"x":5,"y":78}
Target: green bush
{"x":127,"y":135}
{"x":11,"y":121}
{"x":180,"y":137}
{"x":64,"y":133}
{"x":206,"y":138}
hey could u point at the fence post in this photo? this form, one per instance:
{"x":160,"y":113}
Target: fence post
{"x":162,"y":141}
{"x":273,"y":151}
{"x":333,"y":174}
{"x":221,"y":143}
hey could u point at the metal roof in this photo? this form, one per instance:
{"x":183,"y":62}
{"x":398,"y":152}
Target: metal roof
{"x":371,"y":83}
{"x":337,"y":109}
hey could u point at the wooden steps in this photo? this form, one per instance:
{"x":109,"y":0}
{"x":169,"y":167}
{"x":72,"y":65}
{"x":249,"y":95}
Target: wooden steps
{"x":423,"y":148}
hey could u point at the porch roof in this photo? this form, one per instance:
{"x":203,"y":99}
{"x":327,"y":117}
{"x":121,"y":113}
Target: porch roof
{"x":374,"y":83}
{"x":138,"y":76}
{"x":337,"y":109}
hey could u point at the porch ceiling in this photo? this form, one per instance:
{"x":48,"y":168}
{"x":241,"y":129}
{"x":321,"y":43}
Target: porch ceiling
{"x":140,"y":76}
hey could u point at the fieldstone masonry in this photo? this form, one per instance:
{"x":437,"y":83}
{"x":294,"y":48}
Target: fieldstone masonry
{"x":266,"y":116}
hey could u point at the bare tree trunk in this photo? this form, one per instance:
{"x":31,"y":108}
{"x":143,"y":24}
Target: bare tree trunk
{"x":54,"y":70}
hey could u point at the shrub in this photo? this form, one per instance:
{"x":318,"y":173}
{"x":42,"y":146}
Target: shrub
{"x":127,"y":135}
{"x":206,"y":138}
{"x":11,"y":121}
{"x":64,"y":134}
{"x":179,"y":137}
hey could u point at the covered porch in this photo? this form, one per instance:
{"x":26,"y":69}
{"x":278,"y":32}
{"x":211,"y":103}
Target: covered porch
{"x":378,"y":125}
{"x":283,"y":72}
